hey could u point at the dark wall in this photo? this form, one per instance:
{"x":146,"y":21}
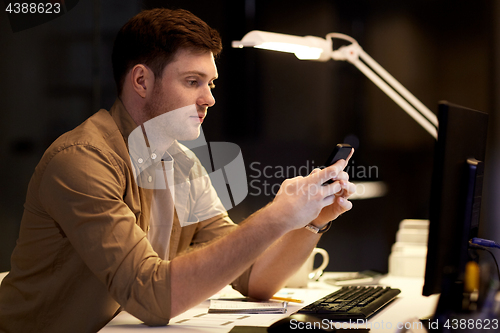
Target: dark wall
{"x":285,"y":114}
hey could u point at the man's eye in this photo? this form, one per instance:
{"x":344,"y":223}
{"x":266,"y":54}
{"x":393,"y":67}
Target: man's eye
{"x":192,"y":82}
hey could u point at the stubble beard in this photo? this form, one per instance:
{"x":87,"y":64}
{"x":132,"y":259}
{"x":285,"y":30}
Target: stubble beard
{"x":156,"y":107}
{"x":152,"y":107}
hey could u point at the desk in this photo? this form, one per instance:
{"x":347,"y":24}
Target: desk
{"x":409,"y":304}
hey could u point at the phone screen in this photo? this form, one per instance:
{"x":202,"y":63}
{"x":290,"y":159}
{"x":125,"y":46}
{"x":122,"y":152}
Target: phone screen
{"x":342,"y":151}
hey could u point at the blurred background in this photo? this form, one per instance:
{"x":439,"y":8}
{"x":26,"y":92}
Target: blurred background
{"x":285,"y":114}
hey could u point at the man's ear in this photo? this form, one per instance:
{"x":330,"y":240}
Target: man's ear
{"x":142,"y":79}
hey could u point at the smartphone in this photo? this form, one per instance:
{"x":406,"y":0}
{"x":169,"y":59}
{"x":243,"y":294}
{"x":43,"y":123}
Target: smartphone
{"x":342,"y":151}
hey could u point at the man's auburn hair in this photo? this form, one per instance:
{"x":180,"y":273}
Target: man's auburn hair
{"x":153,"y":37}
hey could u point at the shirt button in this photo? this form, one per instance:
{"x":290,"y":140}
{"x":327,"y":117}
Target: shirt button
{"x":140,"y":160}
{"x":150,"y":179}
{"x":153,"y":156}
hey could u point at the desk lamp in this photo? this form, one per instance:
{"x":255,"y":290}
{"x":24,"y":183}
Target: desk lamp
{"x":320,"y":49}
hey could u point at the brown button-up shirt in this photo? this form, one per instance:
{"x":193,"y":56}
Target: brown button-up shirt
{"x":82,"y":252}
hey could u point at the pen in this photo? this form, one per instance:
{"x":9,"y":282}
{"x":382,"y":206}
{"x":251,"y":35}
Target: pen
{"x":287,"y":299}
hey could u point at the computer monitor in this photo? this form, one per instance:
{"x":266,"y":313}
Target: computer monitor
{"x":455,"y":196}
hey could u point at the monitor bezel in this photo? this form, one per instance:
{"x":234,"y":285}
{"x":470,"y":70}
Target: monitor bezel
{"x":462,"y":135}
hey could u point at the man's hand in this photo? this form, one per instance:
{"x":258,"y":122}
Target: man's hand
{"x":302,"y":199}
{"x":340,"y":204}
{"x":299,"y":201}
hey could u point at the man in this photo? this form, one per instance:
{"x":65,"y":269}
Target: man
{"x":92,"y":235}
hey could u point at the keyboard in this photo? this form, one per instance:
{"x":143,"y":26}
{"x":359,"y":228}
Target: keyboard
{"x":351,"y":302}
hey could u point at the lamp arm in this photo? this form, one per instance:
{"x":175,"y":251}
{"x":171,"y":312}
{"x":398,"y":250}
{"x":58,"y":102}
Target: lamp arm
{"x":398,"y":87}
{"x":391,"y":87}
{"x":396,"y":97}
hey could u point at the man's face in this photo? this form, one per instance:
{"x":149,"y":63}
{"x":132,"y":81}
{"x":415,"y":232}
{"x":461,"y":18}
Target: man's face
{"x":187,"y":80}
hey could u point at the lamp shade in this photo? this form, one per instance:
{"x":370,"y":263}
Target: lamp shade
{"x":304,"y":48}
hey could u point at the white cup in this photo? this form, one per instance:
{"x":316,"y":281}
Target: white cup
{"x":307,"y":272}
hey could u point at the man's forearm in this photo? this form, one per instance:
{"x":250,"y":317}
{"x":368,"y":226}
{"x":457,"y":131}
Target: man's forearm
{"x":280,"y":261}
{"x":199,"y":274}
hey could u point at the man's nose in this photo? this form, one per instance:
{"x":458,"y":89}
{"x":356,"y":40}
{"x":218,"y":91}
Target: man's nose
{"x":207,"y":98}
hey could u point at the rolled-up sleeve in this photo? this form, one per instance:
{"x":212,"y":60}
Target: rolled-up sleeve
{"x":83,"y":190}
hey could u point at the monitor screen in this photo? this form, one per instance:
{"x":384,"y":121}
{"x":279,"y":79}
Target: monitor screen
{"x":455,"y":195}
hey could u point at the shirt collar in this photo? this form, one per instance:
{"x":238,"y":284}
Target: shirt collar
{"x":140,"y":153}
